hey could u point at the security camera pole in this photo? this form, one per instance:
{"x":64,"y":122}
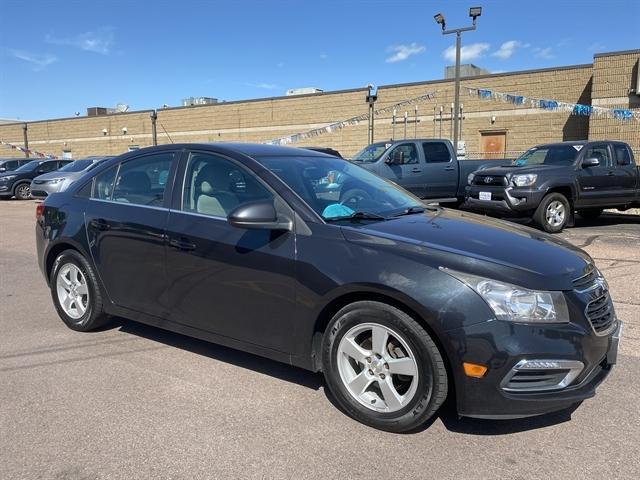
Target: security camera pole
{"x":371,"y":100}
{"x":474,"y":12}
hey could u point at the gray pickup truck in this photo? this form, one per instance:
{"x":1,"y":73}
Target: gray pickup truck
{"x":428,"y":168}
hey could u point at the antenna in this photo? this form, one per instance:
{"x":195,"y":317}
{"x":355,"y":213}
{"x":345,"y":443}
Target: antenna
{"x":122,"y":107}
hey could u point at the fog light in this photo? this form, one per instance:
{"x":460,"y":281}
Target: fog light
{"x":473,"y":370}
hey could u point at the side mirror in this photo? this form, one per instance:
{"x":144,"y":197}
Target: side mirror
{"x":396,"y":158}
{"x":590,"y":162}
{"x":258,"y":215}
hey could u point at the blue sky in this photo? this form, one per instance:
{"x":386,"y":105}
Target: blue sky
{"x":59,"y":57}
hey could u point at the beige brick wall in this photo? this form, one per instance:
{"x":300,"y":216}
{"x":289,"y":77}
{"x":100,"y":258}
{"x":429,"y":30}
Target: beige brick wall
{"x":265,"y":119}
{"x":613,"y":77}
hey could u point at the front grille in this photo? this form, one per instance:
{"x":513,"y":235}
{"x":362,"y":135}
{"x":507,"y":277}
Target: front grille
{"x":39,"y":193}
{"x":491,"y":180}
{"x":600,"y":313}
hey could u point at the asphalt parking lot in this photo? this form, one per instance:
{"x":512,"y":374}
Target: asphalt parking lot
{"x":137,"y":402}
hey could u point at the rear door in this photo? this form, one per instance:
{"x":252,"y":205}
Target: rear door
{"x":441,"y":170}
{"x":626,"y":173}
{"x":125,"y":221}
{"x":597,"y":184}
{"x":411,"y":174}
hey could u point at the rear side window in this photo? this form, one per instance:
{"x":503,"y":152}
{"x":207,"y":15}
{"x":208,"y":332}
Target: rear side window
{"x":623,"y":157}
{"x":436,"y":152}
{"x":143,"y":181}
{"x":103,"y":184}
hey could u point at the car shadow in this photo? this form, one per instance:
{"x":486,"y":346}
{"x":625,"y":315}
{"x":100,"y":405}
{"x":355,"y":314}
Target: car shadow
{"x":239,"y":358}
{"x":607,"y":219}
{"x":315,"y":381}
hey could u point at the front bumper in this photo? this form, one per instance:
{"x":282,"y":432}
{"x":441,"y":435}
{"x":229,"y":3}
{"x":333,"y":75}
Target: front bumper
{"x":504,"y":346}
{"x":43,"y":190}
{"x":504,"y":200}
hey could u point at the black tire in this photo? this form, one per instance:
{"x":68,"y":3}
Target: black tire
{"x":431,"y":384}
{"x":590,"y":213}
{"x":541,"y":215}
{"x":94,"y":316}
{"x":22,"y":191}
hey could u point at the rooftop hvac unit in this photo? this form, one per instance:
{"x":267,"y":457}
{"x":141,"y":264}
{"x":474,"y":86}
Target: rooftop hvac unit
{"x":189,"y":101}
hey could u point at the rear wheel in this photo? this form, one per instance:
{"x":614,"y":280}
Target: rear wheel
{"x":553,"y":213}
{"x":382,"y":367}
{"x":590,"y":213}
{"x":22,"y":191}
{"x":75,"y":292}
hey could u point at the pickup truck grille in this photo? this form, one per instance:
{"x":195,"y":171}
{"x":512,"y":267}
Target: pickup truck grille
{"x":492,"y":180}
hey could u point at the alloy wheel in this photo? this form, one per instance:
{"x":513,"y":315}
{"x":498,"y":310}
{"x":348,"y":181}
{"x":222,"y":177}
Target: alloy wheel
{"x":72,"y":291}
{"x":377,"y":367}
{"x":555,"y":213}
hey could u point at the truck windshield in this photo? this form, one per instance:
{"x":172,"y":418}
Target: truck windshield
{"x":371,"y":153}
{"x":551,"y":155}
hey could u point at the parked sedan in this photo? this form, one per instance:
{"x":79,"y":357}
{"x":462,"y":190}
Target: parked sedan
{"x":58,"y":180}
{"x":18,"y":182}
{"x":272,"y":250}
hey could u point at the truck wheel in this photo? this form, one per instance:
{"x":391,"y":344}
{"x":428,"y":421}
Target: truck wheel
{"x":590,"y":213}
{"x":553,"y":213}
{"x":22,"y":191}
{"x":382,"y":367}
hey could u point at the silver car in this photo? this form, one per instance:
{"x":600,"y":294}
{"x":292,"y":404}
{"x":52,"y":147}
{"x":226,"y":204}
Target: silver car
{"x":58,"y":181}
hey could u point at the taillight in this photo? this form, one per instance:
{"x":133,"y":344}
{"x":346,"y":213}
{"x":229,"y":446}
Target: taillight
{"x":39,"y":212}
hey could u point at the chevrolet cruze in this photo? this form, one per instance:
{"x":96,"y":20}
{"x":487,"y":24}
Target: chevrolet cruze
{"x":308,"y":259}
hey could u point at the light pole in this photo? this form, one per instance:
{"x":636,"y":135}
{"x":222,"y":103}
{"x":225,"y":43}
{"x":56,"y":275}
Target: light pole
{"x":371,"y":100}
{"x":25,"y":137}
{"x":474,"y":12}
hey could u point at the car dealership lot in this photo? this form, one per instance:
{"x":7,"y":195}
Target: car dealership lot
{"x":136,"y":402}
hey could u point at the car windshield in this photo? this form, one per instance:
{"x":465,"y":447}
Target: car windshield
{"x":28,"y":167}
{"x":372,"y":153}
{"x":551,"y":155}
{"x":337,"y":189}
{"x":76,"y":166}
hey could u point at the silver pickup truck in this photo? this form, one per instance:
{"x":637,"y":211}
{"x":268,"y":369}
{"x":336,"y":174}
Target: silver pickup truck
{"x":428,"y":168}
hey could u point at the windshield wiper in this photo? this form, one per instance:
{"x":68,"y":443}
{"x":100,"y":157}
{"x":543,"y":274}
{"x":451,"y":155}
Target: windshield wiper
{"x":358,"y":216}
{"x":417,"y":209}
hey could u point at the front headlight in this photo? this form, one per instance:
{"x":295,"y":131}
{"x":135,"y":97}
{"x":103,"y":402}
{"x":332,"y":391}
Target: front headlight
{"x":53,"y":181}
{"x":7,"y":178}
{"x":514,"y":303}
{"x":524,"y":180}
{"x":470,"y":178}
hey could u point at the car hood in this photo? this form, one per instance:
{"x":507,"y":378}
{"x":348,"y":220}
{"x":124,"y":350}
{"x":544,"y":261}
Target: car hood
{"x":480,"y":245}
{"x":508,"y":170}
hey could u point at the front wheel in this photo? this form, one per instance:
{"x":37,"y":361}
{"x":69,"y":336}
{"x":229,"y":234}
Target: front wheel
{"x":383,"y":368}
{"x":75,"y":292}
{"x":553,"y":213}
{"x":23,"y":191}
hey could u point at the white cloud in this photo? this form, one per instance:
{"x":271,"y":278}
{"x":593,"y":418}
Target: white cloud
{"x":545,"y":53}
{"x":507,"y":49}
{"x":39,"y":61}
{"x":402,"y":52}
{"x":467,"y":52}
{"x":597,"y":47}
{"x":263,"y":85}
{"x":99,"y":41}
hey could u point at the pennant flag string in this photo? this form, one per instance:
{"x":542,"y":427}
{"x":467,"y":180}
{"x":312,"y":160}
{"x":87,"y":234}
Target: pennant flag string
{"x":349,"y":122}
{"x":29,"y":151}
{"x":572,"y":108}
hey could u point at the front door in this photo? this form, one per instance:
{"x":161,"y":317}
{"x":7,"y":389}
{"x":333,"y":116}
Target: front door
{"x":597,"y":184}
{"x":441,"y":170}
{"x":410,"y":174}
{"x":493,"y":145}
{"x":222,"y":279}
{"x":125,"y":221}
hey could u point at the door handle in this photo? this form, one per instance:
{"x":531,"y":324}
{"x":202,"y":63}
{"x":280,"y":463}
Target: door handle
{"x":182,"y":244}
{"x":416,"y":170}
{"x":449,"y":169}
{"x":99,"y":224}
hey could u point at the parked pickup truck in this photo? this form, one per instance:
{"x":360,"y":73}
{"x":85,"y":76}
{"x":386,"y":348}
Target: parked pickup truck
{"x":428,"y":168}
{"x":550,"y":182}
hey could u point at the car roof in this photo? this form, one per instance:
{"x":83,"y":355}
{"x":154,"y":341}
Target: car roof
{"x":249,"y":149}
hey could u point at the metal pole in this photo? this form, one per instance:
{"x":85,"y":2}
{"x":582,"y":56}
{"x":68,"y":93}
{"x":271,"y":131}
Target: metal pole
{"x":405,"y":124}
{"x":460,"y":121}
{"x":434,"y":122}
{"x":457,"y":93}
{"x":393,"y":123}
{"x":154,"y":131}
{"x":441,"y":109}
{"x":415,"y":125}
{"x":370,"y":123}
{"x":451,"y":124}
{"x":26,"y":140}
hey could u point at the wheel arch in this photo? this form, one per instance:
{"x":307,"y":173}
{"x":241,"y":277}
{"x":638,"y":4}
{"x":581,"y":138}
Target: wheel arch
{"x":566,"y":190}
{"x":56,"y":249}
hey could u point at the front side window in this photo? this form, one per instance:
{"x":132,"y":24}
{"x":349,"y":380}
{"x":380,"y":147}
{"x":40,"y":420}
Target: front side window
{"x":409,"y":152}
{"x":143,"y":181}
{"x":436,"y":152}
{"x":215,"y":186}
{"x":600,"y":152}
{"x":47,"y":167}
{"x":338,"y":189}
